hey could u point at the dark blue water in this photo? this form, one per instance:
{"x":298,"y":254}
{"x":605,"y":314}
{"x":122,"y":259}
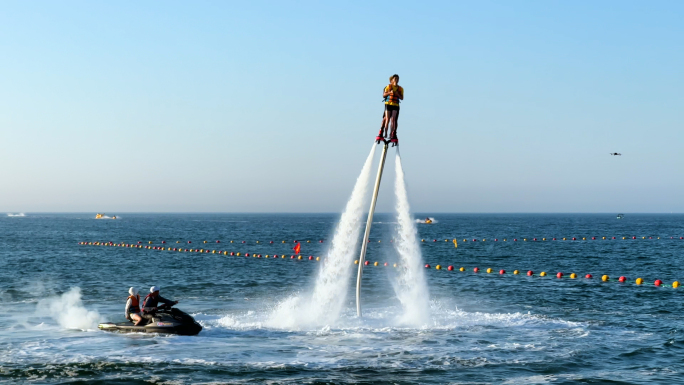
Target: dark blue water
{"x":484,"y":328}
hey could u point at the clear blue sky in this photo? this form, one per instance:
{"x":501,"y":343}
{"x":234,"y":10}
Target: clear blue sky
{"x":511,"y":106}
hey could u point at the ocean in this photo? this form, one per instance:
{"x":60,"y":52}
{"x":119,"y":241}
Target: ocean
{"x":473,"y":328}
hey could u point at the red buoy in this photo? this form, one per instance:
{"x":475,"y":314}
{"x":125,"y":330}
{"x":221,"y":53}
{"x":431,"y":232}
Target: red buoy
{"x":476,"y":270}
{"x":291,"y":256}
{"x":246,"y":254}
{"x":658,"y":282}
{"x":554,"y":239}
{"x":427,"y":265}
{"x":474,"y":240}
{"x":530,"y":273}
{"x":559,"y":275}
{"x":574,"y":239}
{"x":366,"y":263}
{"x":188,"y":242}
{"x":232,"y":253}
{"x":495,"y":239}
{"x":271,"y":241}
{"x":502,"y":271}
{"x":310,"y":258}
{"x":622,"y":279}
{"x":434,"y":240}
{"x":515,"y":239}
{"x":534,"y":239}
{"x":218,"y":241}
{"x":613,"y":237}
{"x":243,"y":241}
{"x":450,"y":268}
{"x":259,"y":256}
{"x":588,"y":276}
{"x":386,"y":264}
{"x":162,"y":242}
{"x":633,"y":237}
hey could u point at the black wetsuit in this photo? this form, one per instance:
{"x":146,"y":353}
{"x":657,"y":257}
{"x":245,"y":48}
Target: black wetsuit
{"x":152,"y":302}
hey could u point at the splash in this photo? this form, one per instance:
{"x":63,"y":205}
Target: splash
{"x":423,"y":221}
{"x":324,"y":305}
{"x":68,"y":311}
{"x":410,"y":285}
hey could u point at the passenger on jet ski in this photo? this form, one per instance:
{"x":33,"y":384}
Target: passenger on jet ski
{"x":150,"y":305}
{"x":132,"y":310}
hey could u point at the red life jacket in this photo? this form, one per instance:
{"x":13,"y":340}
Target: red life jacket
{"x":134,"y":307}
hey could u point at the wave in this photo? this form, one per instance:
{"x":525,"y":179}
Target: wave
{"x":16,"y":215}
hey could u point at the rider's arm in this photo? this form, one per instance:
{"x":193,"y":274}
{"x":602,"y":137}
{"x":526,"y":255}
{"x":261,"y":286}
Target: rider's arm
{"x":386,"y":91}
{"x":128,"y":304}
{"x":165,"y":301}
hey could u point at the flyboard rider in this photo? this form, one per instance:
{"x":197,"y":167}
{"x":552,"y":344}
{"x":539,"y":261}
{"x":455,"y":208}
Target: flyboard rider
{"x":150,"y":305}
{"x":392,"y":95}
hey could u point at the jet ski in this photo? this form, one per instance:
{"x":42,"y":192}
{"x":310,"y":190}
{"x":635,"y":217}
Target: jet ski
{"x":165,"y":320}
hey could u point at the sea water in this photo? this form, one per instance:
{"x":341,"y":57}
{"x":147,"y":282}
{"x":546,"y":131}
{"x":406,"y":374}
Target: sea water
{"x":482,"y":328}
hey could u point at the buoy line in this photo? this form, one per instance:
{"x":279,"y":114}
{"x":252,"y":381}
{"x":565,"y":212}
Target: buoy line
{"x":502,"y":272}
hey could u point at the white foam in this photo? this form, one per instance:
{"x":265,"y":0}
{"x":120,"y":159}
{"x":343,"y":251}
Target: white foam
{"x":68,"y":311}
{"x":331,"y":286}
{"x":410,"y":285}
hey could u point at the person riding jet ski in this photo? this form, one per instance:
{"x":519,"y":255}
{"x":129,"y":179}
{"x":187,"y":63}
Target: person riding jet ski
{"x":132,"y":309}
{"x":150,"y":305}
{"x":155,"y":318}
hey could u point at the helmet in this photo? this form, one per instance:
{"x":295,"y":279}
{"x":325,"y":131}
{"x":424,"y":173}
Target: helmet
{"x":133,"y":291}
{"x":154,"y":288}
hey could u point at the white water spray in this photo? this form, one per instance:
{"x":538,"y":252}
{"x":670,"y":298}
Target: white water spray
{"x":332,"y":284}
{"x":410,"y":286}
{"x":68,"y":310}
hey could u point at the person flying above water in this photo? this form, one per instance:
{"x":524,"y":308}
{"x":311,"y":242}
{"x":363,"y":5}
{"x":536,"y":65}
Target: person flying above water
{"x":392,"y":95}
{"x":151,"y":302}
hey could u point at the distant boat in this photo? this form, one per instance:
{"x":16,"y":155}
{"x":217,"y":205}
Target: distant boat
{"x":620,"y":216}
{"x":102,"y":216}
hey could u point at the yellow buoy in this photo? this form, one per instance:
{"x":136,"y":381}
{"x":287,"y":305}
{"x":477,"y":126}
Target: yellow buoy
{"x":604,"y":237}
{"x":483,"y":239}
{"x":489,"y":270}
{"x":395,"y":265}
{"x":564,"y":239}
{"x":356,"y":262}
{"x":375,"y":264}
{"x":675,"y":284}
{"x":231,"y":241}
{"x":542,"y":274}
{"x":205,"y":241}
{"x":584,"y":239}
{"x":283,"y":256}
{"x":438,"y":267}
{"x":524,"y":239}
{"x":238,"y":254}
{"x":504,"y":239}
{"x":308,"y":241}
{"x":150,"y":242}
{"x":283,"y":241}
{"x":573,"y":276}
{"x":213,"y":251}
{"x":543,"y":239}
{"x":639,"y":281}
{"x":623,"y":237}
{"x":300,"y":257}
{"x":422,"y":240}
{"x":318,"y":258}
{"x":462,"y":269}
{"x":605,"y":278}
{"x":516,"y":272}
{"x":257,"y":241}
{"x":266,"y":255}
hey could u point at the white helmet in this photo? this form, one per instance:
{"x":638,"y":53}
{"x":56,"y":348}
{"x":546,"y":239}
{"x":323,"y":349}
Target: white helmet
{"x":133,"y":291}
{"x":154,"y":288}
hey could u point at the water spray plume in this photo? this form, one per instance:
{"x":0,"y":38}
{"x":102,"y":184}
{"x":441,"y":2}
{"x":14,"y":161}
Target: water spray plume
{"x":332,"y":283}
{"x":410,"y":285}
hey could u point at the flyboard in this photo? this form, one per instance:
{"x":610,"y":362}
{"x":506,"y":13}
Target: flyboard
{"x":395,"y":142}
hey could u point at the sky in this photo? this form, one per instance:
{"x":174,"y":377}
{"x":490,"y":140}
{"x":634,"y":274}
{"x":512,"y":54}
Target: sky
{"x":259,"y":106}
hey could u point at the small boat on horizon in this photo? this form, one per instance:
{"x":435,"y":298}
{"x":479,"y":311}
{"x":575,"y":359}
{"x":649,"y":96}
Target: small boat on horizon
{"x":103,"y":216}
{"x":620,"y":216}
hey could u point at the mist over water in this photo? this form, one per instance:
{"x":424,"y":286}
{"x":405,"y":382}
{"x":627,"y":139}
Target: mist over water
{"x":323,"y":306}
{"x":409,"y":285}
{"x":68,"y":310}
